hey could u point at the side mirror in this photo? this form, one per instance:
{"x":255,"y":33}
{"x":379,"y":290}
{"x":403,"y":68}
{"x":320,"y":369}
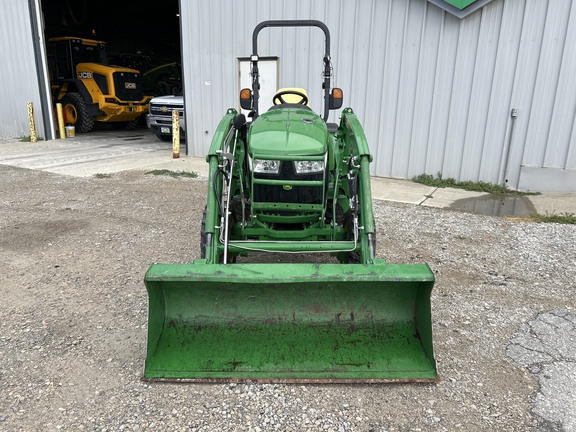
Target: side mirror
{"x":246,"y":99}
{"x":336,"y":98}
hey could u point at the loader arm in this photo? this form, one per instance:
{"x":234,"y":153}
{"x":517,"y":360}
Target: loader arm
{"x":360,"y":166}
{"x":215,"y":186}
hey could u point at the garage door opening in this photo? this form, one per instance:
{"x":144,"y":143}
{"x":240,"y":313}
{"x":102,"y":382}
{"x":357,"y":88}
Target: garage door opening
{"x":107,"y":60}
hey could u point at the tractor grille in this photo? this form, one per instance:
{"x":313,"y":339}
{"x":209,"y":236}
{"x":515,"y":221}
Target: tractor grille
{"x":128,"y":86}
{"x":102,"y":82}
{"x":295,"y":195}
{"x":165,"y":109}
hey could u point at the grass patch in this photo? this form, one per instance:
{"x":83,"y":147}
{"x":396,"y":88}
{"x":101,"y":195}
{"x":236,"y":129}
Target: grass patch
{"x":173,"y":173}
{"x":29,"y":139}
{"x":562,"y":218}
{"x":429,"y":180}
{"x":102,"y":176}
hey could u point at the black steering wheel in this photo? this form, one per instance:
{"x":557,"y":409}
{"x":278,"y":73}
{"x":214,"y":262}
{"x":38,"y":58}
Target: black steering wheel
{"x":278,"y":99}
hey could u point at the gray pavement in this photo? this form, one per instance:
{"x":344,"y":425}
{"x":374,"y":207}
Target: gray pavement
{"x":108,"y":151}
{"x":545,"y":346}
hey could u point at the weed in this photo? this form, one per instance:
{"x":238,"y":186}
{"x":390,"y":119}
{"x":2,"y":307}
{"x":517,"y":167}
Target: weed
{"x":563,"y":218}
{"x":29,"y":139}
{"x":173,"y":173}
{"x":480,"y":186}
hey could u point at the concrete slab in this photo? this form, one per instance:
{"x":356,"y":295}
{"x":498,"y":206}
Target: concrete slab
{"x":554,"y":203}
{"x":100,"y":152}
{"x":400,"y":190}
{"x":445,"y":197}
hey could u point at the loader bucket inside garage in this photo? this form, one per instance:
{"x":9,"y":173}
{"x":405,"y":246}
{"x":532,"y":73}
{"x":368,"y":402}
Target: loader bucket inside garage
{"x":289,"y":323}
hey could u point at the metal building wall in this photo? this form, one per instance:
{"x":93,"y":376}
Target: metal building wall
{"x":434,"y":93}
{"x":23,"y":70}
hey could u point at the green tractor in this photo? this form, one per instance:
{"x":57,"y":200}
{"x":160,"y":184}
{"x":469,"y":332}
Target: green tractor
{"x":289,"y":182}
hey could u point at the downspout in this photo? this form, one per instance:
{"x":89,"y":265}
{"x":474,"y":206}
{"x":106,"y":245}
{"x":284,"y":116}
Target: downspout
{"x":514,"y":115}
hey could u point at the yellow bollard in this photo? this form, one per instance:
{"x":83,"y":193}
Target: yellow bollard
{"x":61,"y":129}
{"x":175,"y":134}
{"x":33,"y":137}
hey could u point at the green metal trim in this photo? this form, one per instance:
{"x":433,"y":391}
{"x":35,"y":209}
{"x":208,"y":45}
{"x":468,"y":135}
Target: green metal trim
{"x":292,"y":246}
{"x":281,"y":157}
{"x":288,"y":207}
{"x":460,"y":4}
{"x":282,"y":219}
{"x":461,"y":8}
{"x":312,"y":232}
{"x":288,"y":182}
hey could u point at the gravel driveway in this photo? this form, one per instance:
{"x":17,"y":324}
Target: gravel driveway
{"x":73,"y":317}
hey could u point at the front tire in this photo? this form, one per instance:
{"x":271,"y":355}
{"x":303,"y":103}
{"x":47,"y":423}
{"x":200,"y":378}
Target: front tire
{"x":74,"y":107}
{"x":353,"y":257}
{"x":204,"y":240}
{"x":164,"y":138}
{"x":203,"y":235}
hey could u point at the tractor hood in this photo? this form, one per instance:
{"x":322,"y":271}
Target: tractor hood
{"x":105,"y":69}
{"x":288,"y":132}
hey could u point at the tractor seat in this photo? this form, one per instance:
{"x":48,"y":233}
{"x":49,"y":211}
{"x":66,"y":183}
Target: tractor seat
{"x":293,"y":101}
{"x":291,"y":98}
{"x":289,"y":105}
{"x":284,"y":99}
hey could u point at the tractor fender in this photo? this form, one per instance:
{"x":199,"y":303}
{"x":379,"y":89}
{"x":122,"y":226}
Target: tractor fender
{"x":76,"y":85}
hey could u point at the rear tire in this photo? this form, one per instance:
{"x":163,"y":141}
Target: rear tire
{"x":126,"y":125}
{"x":162,"y":85}
{"x":74,"y":107}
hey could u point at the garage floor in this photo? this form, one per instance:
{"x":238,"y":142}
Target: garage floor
{"x":102,"y":151}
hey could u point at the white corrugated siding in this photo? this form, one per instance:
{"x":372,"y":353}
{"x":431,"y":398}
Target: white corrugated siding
{"x":433,"y":92}
{"x":19,"y":78}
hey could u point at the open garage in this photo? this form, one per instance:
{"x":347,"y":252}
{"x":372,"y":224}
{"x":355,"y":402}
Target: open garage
{"x":104,"y":63}
{"x":147,"y":28}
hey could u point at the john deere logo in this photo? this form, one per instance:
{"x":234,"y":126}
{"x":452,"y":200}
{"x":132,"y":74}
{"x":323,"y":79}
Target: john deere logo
{"x":460,"y":4}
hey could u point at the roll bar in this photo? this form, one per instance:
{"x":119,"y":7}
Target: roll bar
{"x":290,"y":23}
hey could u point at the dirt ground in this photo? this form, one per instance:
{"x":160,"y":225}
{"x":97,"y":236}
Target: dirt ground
{"x":73,"y":315}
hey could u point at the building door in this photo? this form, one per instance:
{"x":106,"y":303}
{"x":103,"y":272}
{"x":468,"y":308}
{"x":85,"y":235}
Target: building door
{"x":268,"y":69}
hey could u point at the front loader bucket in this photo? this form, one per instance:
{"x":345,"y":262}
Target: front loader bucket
{"x":289,"y":323}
